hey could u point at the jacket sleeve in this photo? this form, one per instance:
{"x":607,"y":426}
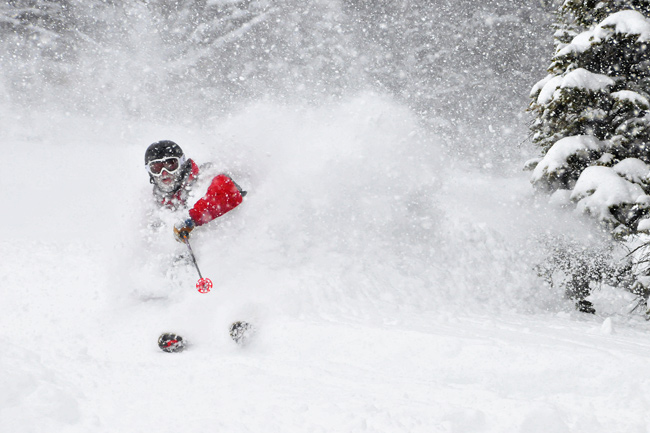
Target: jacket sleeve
{"x":223,"y":195}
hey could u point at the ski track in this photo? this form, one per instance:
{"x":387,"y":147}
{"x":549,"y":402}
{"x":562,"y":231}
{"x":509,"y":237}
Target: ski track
{"x":356,"y":332}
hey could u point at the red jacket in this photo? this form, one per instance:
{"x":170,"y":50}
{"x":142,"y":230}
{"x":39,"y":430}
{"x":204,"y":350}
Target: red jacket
{"x":222,"y":196}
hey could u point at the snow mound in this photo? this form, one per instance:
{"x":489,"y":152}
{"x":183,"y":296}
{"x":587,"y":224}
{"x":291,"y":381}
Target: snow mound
{"x":644,"y":225}
{"x":548,"y":87}
{"x":633,"y":169}
{"x":632,"y":97}
{"x":578,"y":78}
{"x":585,"y":79}
{"x":598,"y":189}
{"x":540,"y":84}
{"x":628,"y":23}
{"x":557,"y":158}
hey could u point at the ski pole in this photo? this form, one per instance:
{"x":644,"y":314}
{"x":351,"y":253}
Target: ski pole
{"x":204,"y":284}
{"x":189,"y":247}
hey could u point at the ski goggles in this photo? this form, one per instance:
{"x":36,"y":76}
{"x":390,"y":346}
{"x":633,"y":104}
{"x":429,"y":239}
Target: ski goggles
{"x":170,"y":164}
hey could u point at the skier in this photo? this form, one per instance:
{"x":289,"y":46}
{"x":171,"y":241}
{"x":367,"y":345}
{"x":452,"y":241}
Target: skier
{"x":174,"y":177}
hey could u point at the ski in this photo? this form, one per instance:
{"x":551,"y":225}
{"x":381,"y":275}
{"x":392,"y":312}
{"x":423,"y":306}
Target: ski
{"x":241,"y":332}
{"x":170,"y":342}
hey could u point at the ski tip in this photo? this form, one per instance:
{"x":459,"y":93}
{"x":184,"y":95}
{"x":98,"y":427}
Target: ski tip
{"x":241,"y":332}
{"x":171,"y":343}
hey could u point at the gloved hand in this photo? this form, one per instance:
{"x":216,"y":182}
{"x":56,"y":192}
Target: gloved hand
{"x":182,"y":229}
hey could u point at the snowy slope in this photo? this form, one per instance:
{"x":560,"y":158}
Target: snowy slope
{"x":392,"y":287}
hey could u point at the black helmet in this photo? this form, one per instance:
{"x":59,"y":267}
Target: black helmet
{"x":162,"y":149}
{"x":166,"y":149}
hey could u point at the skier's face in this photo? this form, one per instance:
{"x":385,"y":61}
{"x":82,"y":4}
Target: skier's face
{"x":166,"y":173}
{"x":167,"y":178}
{"x":168,"y":182}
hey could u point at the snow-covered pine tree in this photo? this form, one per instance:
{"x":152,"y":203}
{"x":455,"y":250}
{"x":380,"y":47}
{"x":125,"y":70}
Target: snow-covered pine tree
{"x":587,"y":13}
{"x":592,"y":126}
{"x":591,"y":120}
